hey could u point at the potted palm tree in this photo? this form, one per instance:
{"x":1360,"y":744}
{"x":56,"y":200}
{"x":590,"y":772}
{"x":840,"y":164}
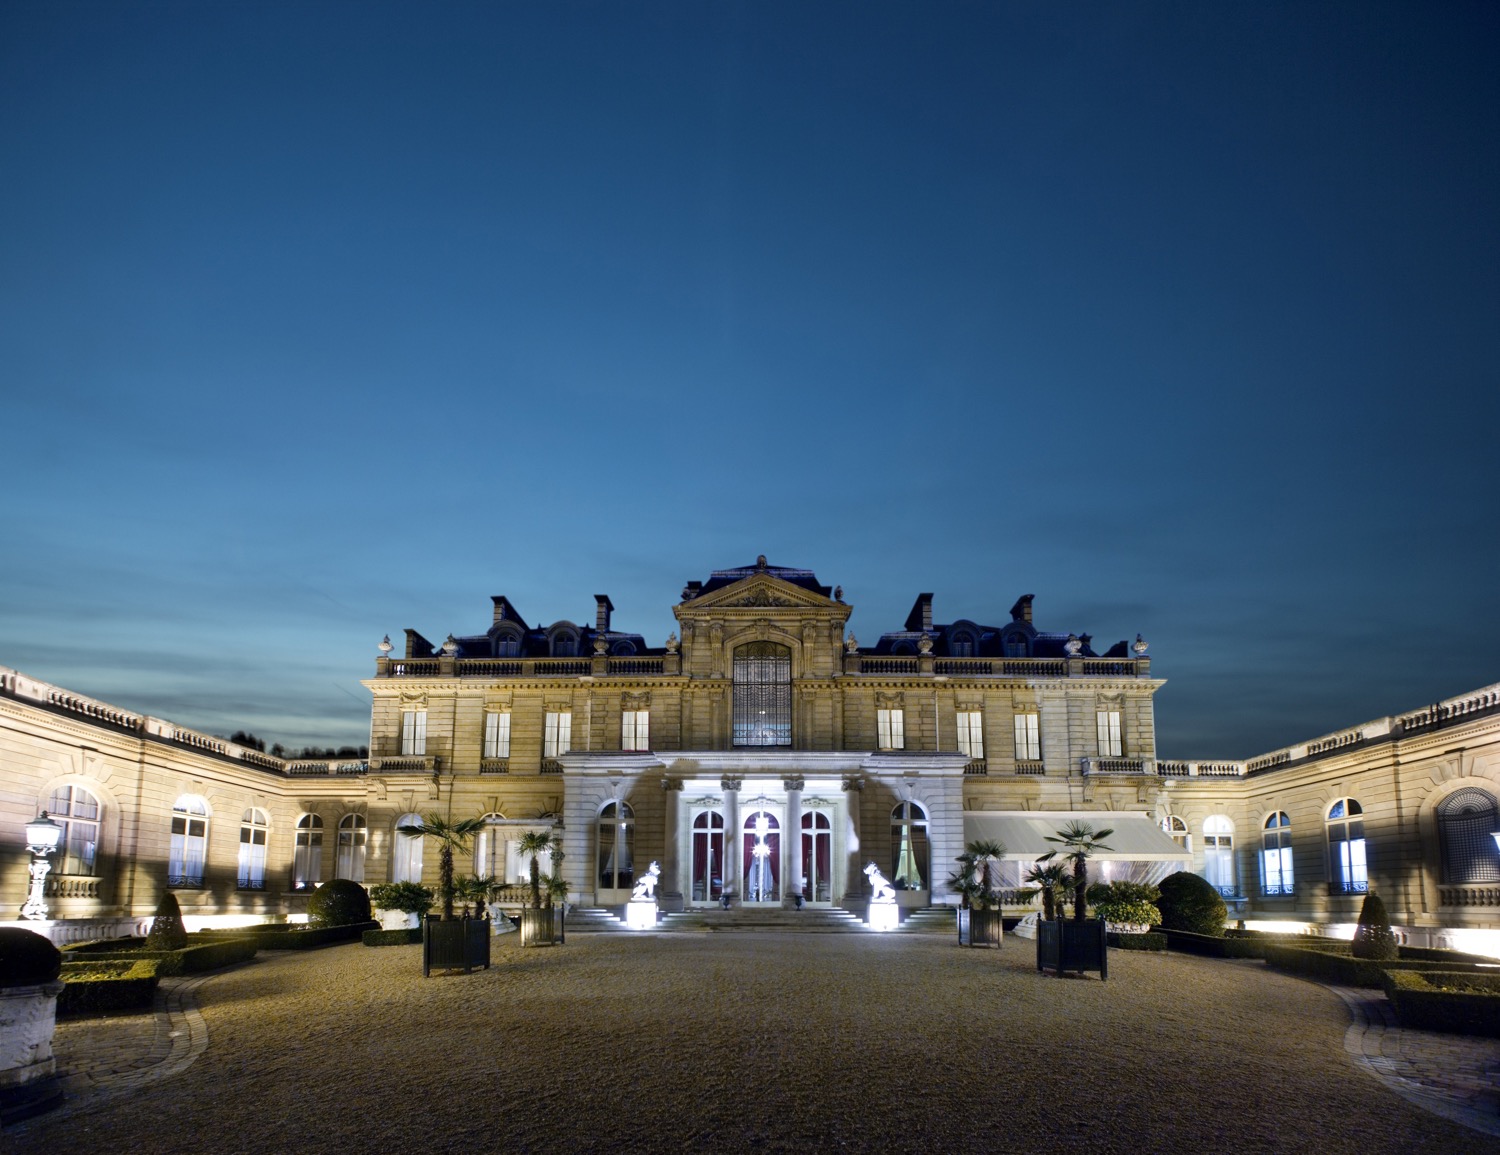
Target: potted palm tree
{"x":1077,"y":944}
{"x":1054,"y":882}
{"x":536,"y":920}
{"x":979,"y":915}
{"x":449,"y":942}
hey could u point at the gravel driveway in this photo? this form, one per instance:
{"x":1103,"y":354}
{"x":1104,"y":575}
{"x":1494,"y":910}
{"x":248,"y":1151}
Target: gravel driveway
{"x":786,"y":1042}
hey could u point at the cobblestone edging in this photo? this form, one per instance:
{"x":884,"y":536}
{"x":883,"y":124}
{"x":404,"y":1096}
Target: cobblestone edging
{"x":120,"y":1054}
{"x":1454,"y":1076}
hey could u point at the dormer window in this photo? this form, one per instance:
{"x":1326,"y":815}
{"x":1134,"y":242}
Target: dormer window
{"x":565,"y":645}
{"x":1015,"y":645}
{"x":961,"y":644}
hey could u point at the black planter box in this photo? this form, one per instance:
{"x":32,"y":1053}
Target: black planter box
{"x":459,"y":944}
{"x":1066,"y":944}
{"x":540,"y":927}
{"x":980,"y":927}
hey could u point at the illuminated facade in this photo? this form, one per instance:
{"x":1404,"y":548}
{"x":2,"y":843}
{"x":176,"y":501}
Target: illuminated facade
{"x":764,"y":757}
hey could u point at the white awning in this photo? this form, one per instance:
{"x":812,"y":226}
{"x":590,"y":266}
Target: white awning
{"x":1134,"y":837}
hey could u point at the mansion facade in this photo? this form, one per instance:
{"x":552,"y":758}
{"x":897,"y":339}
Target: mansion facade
{"x":763,"y":757}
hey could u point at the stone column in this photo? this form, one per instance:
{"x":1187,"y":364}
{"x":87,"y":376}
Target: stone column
{"x":671,"y":883}
{"x":853,"y":848}
{"x":791,"y":842}
{"x":731,"y":789}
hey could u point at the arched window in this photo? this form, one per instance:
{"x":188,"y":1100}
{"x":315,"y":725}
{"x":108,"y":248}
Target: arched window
{"x":189,"y":848}
{"x":623,"y":649}
{"x":406,"y":851}
{"x":817,"y":856}
{"x":908,"y":846}
{"x":353,"y":832}
{"x":961,"y":644}
{"x":1015,"y":645}
{"x":616,"y":840}
{"x":762,"y":695}
{"x":77,"y":812}
{"x":708,"y":856}
{"x":565,"y":644}
{"x":255,"y":829}
{"x":761,"y":841}
{"x":1177,"y":830}
{"x":1347,"y":873}
{"x":1467,"y":821}
{"x":1218,"y":853}
{"x":307,"y":857}
{"x":1276,"y":855}
{"x":903,"y":648}
{"x":507,"y":646}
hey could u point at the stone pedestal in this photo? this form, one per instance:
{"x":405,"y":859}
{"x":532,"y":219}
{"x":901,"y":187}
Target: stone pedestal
{"x":640,"y":914}
{"x":28,"y":1072}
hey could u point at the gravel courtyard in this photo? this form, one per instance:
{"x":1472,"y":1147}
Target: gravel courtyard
{"x":789,"y":1042}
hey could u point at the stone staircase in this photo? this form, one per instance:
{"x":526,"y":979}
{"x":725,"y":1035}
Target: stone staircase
{"x":934,"y":920}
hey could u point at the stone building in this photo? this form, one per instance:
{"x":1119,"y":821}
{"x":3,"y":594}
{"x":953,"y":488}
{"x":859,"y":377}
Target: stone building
{"x":762,"y":757}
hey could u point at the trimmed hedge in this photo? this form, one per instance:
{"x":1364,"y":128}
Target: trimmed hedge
{"x":204,"y":953}
{"x":1334,"y":964}
{"x":27,"y":959}
{"x":88,"y":992}
{"x":1212,"y":946}
{"x":1152,"y":940}
{"x":1422,"y":1005}
{"x":339,"y":902}
{"x":281,"y":937}
{"x":403,"y":937}
{"x":1188,"y":902}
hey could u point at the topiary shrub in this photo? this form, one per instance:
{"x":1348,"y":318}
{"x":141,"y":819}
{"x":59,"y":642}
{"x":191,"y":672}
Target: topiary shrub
{"x":167,"y":931}
{"x":1188,"y":902}
{"x":1373,"y":938}
{"x":26,"y":958}
{"x":338,"y":903}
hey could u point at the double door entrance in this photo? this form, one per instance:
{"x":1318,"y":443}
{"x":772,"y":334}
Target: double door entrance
{"x":758,"y":861}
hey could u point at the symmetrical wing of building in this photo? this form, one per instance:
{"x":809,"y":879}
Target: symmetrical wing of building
{"x":764,"y":756}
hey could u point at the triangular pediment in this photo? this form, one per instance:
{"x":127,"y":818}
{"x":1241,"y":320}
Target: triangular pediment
{"x":759,"y":592}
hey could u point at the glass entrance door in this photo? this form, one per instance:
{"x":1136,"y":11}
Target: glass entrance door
{"x":817,"y":857}
{"x":708,"y":857}
{"x":762,"y":854}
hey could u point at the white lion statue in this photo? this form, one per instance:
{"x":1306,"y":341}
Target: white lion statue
{"x":884,"y":891}
{"x":645,"y":889}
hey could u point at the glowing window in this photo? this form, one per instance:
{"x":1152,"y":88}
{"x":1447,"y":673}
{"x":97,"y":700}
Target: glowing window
{"x":77,"y":812}
{"x":1276,"y":855}
{"x":616,"y":841}
{"x":1347,"y":869}
{"x":353,"y":833}
{"x":189,"y":846}
{"x":255,"y":830}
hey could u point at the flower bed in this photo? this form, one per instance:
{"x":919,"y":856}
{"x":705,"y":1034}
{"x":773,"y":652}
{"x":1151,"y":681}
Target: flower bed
{"x":1332,"y":962}
{"x":96,"y":986}
{"x":199,"y":955}
{"x":1459,"y":1002}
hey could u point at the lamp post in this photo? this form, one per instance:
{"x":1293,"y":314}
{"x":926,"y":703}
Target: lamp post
{"x":42,"y":835}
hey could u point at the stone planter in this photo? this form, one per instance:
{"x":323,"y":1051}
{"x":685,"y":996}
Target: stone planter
{"x":459,"y":944}
{"x":28,"y":1072}
{"x":398,"y":920}
{"x":1071,"y":945}
{"x":980,"y":928}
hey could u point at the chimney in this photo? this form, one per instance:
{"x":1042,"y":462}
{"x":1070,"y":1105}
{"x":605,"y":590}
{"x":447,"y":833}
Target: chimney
{"x":920,"y":617}
{"x":417,"y":646}
{"x":1021,"y":611}
{"x":505,"y":612}
{"x":603,"y":607}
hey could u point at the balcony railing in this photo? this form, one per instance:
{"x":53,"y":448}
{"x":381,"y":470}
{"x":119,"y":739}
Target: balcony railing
{"x":406,"y":764}
{"x":551,"y":766}
{"x":1469,"y":895}
{"x":72,"y":886}
{"x":976,"y":766}
{"x":1200,"y":769}
{"x":326,"y":767}
{"x":1113,"y":766}
{"x":494,"y":765}
{"x":1030,"y":766}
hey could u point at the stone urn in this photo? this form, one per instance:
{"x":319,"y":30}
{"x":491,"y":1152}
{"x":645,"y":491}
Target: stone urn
{"x":29,"y":966}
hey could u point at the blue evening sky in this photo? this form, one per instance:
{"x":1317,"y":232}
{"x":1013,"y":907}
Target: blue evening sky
{"x":320,"y":320}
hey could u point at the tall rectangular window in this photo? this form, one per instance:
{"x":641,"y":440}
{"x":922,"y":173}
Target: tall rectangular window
{"x":1028,"y":738}
{"x":558,"y":738}
{"x":1110,"y":745}
{"x":635,"y":730}
{"x":890,"y":729}
{"x":496,"y":735}
{"x":414,"y":733}
{"x":971,"y":733}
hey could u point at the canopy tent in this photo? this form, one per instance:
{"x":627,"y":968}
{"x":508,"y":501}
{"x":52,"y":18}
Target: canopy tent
{"x":1138,"y":848}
